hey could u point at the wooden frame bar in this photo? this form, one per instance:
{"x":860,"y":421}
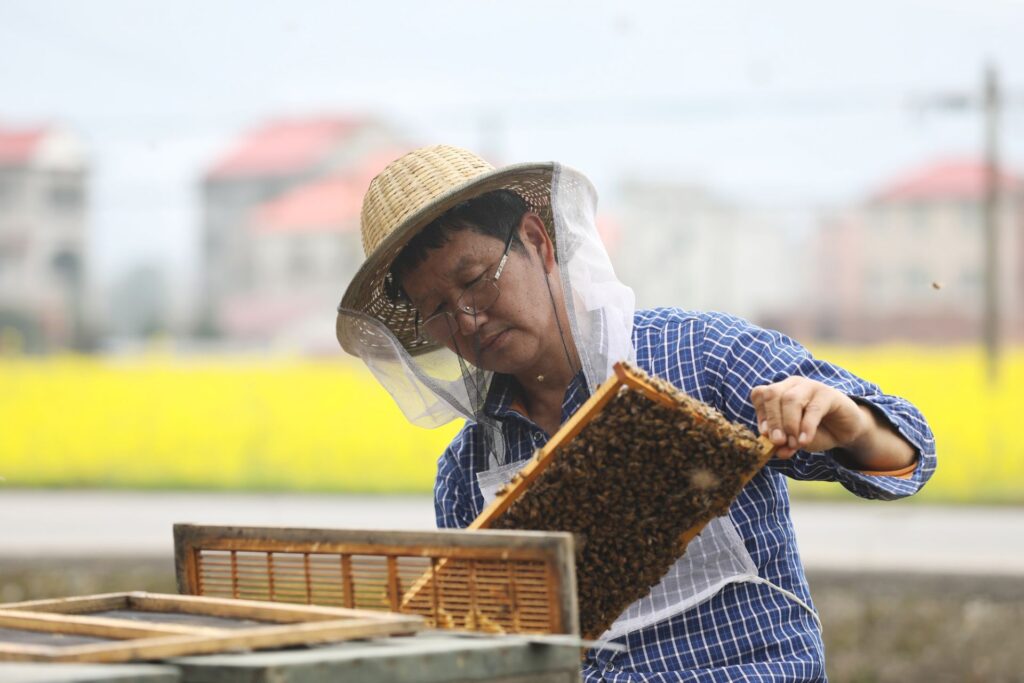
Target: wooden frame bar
{"x":136,"y":638}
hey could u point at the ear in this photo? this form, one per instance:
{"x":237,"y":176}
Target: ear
{"x":535,"y":236}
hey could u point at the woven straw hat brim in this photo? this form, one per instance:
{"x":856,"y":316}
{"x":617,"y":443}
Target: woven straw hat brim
{"x":366,"y":293}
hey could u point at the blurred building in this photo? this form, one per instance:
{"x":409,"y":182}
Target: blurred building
{"x":907,"y":262}
{"x":43,"y":205}
{"x":305,"y":247}
{"x":681,"y":245}
{"x":281,"y":223}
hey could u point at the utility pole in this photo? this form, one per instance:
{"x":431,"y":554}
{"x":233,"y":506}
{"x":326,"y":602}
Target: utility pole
{"x":990,"y":103}
{"x":991,"y":325}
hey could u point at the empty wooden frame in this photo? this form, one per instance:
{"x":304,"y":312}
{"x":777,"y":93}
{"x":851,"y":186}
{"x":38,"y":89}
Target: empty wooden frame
{"x":119,"y":627}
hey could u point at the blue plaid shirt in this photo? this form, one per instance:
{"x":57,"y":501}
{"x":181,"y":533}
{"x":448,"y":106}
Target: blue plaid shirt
{"x":747,"y":631}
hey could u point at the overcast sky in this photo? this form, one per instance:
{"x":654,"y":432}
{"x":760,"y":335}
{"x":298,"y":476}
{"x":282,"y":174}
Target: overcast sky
{"x":775,"y":103}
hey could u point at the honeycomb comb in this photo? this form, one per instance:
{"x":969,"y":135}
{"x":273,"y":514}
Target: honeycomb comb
{"x":635,"y":474}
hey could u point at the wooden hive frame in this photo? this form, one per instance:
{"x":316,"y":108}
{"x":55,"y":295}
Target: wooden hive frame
{"x":623,"y":378}
{"x":493,"y":581}
{"x":139,"y":626}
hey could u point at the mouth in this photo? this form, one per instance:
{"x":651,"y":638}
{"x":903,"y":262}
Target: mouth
{"x":494,"y":341}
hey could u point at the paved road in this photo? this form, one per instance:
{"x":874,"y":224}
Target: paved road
{"x":860,"y":536}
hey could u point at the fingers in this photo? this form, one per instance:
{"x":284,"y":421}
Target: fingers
{"x":789,"y":412}
{"x":785,"y":453}
{"x":794,"y":400}
{"x":815,"y":409}
{"x":768,"y":402}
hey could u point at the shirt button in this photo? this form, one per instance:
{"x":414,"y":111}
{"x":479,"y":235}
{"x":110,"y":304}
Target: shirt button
{"x":538,"y":438}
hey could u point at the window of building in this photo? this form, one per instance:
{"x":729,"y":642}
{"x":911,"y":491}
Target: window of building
{"x":65,"y":197}
{"x":66,"y":265}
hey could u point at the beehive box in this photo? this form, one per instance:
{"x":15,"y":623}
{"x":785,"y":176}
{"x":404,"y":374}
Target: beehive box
{"x":634,"y":475}
{"x":489,"y":581}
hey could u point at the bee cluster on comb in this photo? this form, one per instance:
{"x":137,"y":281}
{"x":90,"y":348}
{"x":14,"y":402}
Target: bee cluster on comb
{"x":639,"y":475}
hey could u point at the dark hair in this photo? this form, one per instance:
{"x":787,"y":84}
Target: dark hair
{"x":492,"y":214}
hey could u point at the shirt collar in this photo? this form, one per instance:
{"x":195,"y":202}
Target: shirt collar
{"x":503,"y":397}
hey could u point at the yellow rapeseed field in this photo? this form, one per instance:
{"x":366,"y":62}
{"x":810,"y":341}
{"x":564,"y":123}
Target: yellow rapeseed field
{"x":238,"y":423}
{"x":296,"y":424}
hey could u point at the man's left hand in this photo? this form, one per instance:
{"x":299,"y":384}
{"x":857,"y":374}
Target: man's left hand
{"x":801,"y":413}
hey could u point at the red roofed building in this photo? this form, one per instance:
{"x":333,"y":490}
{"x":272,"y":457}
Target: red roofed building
{"x":945,"y":181}
{"x":43,"y":208}
{"x":284,"y":148}
{"x":305,"y":247}
{"x":265,"y":197}
{"x":21,"y":147}
{"x":322,"y":205}
{"x":908,"y":262}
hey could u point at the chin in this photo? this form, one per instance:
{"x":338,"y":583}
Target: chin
{"x":508,"y":357}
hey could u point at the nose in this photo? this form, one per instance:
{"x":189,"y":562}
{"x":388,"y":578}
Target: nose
{"x":469,"y":323}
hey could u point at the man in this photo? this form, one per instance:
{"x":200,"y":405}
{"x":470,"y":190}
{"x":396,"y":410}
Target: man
{"x":487,"y":294}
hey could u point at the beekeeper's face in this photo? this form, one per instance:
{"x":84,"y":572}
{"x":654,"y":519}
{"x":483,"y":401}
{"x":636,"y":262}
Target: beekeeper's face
{"x":504,"y":323}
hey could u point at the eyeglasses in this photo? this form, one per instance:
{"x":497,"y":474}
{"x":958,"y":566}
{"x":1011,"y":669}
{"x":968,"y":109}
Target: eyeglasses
{"x":476,"y":298}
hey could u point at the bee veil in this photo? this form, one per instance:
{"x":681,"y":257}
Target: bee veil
{"x":434,"y":385}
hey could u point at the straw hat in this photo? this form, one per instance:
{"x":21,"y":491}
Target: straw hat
{"x":407,"y":195}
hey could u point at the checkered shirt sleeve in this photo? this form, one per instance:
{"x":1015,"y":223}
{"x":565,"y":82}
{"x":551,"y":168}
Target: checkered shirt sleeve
{"x":740,"y":356}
